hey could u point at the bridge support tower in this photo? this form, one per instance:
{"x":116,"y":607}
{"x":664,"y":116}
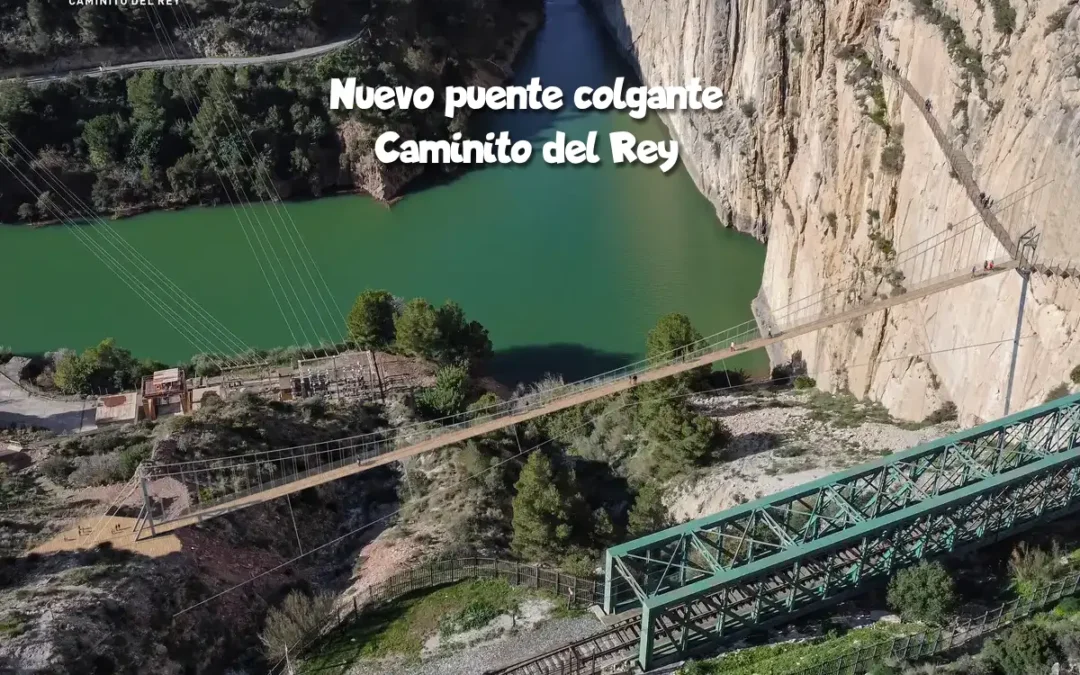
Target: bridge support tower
{"x":1025,"y":259}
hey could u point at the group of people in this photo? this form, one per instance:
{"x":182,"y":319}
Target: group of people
{"x":987,"y":266}
{"x":986,"y":201}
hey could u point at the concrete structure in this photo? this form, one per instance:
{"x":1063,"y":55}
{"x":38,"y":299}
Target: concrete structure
{"x":165,"y":393}
{"x":117,"y":409}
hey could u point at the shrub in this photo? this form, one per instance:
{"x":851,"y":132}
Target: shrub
{"x":1024,"y":649}
{"x":1057,"y":392}
{"x":299,"y":618}
{"x":1056,"y":21}
{"x":922,"y":593}
{"x":448,"y":395}
{"x":946,"y":413}
{"x":97,"y":470}
{"x":1032,"y":568}
{"x":648,"y":514}
{"x":1075,"y":375}
{"x":131,"y":458}
{"x":57,"y":468}
{"x":1004,"y":16}
{"x":476,"y":614}
{"x":5,"y":354}
{"x":805,"y":382}
{"x":748,"y":108}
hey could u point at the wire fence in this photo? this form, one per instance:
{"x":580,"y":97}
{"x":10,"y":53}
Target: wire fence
{"x":934,"y":640}
{"x":579,"y":592}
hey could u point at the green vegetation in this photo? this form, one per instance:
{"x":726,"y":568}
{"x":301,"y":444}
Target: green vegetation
{"x":5,"y":354}
{"x":1022,"y":650}
{"x":298,"y":619}
{"x":648,"y":513}
{"x":966,"y":57}
{"x":673,"y":337}
{"x":805,"y":382}
{"x":417,"y":329}
{"x":371,"y":321}
{"x":892,"y":155}
{"x":922,"y":593}
{"x":100,"y":369}
{"x":1004,"y":16}
{"x":401,"y":627}
{"x":945,"y":413}
{"x":789,"y":657}
{"x":128,"y":142}
{"x":1074,"y":375}
{"x":1032,"y":568}
{"x":1057,"y":392}
{"x":1056,"y":20}
{"x":449,"y":394}
{"x":678,"y":440}
{"x":547,"y":510}
{"x":39,"y":31}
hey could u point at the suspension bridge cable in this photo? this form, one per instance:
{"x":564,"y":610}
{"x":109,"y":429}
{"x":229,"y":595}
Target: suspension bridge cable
{"x":242,"y":212}
{"x":513,"y":457}
{"x":233,"y":132}
{"x":206,"y":320}
{"x":339,"y":316}
{"x":190,"y":334}
{"x":269,"y":186}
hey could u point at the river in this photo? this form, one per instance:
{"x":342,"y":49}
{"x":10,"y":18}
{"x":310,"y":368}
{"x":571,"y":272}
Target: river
{"x":568,"y":267}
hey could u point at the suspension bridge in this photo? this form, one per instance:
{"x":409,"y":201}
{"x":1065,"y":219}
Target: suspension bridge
{"x":220,"y":485}
{"x":692,"y":588}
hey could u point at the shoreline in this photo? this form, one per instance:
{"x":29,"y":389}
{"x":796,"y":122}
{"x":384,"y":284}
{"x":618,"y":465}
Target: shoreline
{"x":520,"y":39}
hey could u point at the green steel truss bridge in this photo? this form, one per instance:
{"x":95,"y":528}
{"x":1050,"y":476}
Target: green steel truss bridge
{"x":716,"y":579}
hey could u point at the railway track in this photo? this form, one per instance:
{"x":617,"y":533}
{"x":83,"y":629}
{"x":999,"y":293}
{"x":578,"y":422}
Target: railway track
{"x":603,"y":651}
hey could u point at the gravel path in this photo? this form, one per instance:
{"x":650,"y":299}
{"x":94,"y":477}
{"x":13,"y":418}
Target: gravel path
{"x":504,"y":651}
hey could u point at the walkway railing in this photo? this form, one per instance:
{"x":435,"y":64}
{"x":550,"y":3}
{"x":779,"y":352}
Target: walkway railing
{"x":579,"y":592}
{"x":933,"y":640}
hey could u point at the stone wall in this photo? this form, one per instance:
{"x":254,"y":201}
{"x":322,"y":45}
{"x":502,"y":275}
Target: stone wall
{"x":796,"y":159}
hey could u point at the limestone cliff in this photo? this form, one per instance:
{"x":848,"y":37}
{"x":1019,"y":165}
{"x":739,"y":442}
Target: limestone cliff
{"x":822,"y":153}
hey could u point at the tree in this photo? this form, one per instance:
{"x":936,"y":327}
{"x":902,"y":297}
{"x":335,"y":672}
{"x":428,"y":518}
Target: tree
{"x":147,"y":95}
{"x":1026,"y":649}
{"x":371,"y":321}
{"x":93,"y":23}
{"x":26,"y":212}
{"x":922,"y":593}
{"x":448,"y":395}
{"x":102,"y":137}
{"x":543,"y":512}
{"x":460,"y":340}
{"x":672,"y":337}
{"x":679,"y":439}
{"x":648,"y":514}
{"x":298,"y":619}
{"x":417,"y":329}
{"x":15,"y":105}
{"x":72,"y":374}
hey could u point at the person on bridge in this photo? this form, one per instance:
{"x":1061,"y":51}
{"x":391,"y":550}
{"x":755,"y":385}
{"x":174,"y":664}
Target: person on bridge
{"x":974,"y":270}
{"x":986,"y":265}
{"x":991,"y":264}
{"x":927,"y":105}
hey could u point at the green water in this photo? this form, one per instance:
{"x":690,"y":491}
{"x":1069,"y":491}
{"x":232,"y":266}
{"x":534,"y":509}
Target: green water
{"x":568,"y":267}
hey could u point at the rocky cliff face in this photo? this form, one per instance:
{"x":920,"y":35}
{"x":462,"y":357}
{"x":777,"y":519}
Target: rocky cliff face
{"x":822,"y":153}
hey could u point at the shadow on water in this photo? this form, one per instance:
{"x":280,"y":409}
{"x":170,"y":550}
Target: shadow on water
{"x":573,"y":362}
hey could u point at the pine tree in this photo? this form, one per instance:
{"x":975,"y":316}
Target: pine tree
{"x":648,"y":514}
{"x":543,"y":513}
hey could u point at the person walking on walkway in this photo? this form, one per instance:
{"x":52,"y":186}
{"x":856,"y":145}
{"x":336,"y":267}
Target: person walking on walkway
{"x":986,"y":265}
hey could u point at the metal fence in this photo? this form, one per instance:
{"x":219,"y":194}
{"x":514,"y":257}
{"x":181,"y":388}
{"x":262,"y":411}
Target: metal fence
{"x":578,"y":592}
{"x":933,"y":640}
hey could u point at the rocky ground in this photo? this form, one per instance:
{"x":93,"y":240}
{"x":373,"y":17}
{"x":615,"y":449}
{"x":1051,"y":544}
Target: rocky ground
{"x":782,"y":440}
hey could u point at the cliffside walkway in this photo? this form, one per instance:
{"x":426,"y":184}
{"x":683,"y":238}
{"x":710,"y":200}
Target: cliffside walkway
{"x":965,"y":172}
{"x":221,"y":485}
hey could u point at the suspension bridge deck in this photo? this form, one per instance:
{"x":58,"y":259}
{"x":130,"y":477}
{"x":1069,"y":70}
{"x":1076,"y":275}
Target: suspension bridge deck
{"x":320,"y":477}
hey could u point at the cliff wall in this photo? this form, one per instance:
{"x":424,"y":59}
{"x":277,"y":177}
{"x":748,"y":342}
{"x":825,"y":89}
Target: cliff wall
{"x":821,"y":153}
